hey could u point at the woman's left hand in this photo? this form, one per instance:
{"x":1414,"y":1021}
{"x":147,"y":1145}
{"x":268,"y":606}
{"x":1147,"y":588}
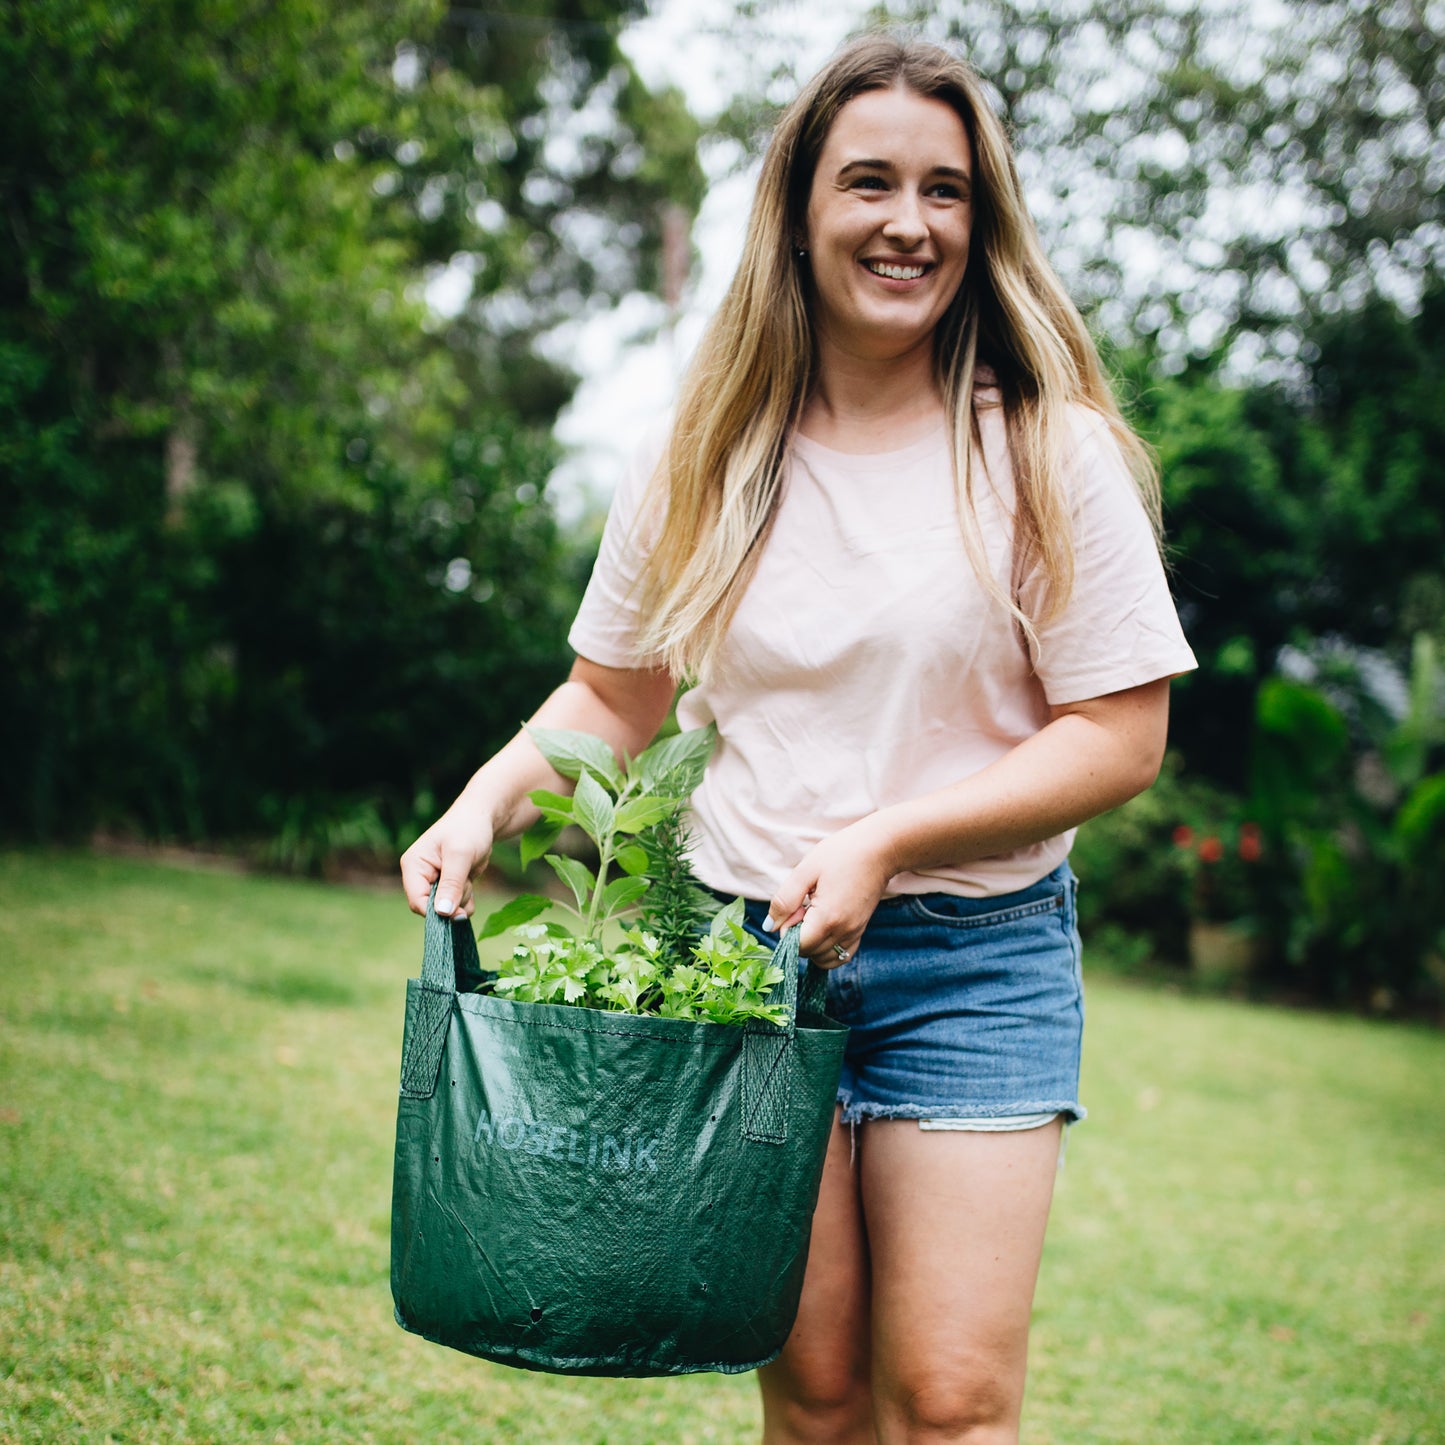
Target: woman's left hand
{"x":834,"y":891}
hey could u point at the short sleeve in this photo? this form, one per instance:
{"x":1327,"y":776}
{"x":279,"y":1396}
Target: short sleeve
{"x":606,"y":627}
{"x":1119,"y":628}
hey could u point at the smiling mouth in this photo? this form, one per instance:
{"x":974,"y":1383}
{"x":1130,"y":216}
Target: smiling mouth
{"x":895,"y":272}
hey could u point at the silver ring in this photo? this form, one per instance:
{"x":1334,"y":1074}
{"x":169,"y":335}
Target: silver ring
{"x":841,"y":952}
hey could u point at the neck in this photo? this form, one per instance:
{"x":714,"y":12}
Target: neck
{"x":872,"y":404}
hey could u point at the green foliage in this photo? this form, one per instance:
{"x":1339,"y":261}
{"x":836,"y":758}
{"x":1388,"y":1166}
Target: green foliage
{"x":676,"y":910}
{"x":1366,"y":450}
{"x":1300,"y":514}
{"x":684,"y":958}
{"x":1330,"y":858}
{"x":1140,"y":871}
{"x":307,"y":832}
{"x":735,"y":974}
{"x":1419,"y":826}
{"x":1352,"y":803}
{"x":552,"y":966}
{"x":1300,"y":743}
{"x":269,"y":528}
{"x":1238,"y":555}
{"x":727,"y":978}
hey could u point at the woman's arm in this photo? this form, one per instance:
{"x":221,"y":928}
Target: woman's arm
{"x":1090,"y":757}
{"x":625,"y":706}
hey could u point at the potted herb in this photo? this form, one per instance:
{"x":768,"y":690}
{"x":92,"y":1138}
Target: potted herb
{"x":640,"y":935}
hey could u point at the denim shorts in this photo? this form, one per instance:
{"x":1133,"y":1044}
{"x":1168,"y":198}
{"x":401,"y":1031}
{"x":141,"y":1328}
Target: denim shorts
{"x":961,"y":1008}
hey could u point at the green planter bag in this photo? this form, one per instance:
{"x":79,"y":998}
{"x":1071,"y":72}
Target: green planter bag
{"x":603,"y":1193}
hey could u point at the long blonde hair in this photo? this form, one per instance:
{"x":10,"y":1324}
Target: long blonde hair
{"x":719,"y":481}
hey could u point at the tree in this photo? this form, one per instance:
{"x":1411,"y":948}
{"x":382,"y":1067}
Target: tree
{"x":229,"y":427}
{"x":1208,"y":179}
{"x":1306,"y":515}
{"x":538,"y":163}
{"x":1252,"y":170}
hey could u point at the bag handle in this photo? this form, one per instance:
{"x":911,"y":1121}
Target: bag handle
{"x":449,"y":951}
{"x":807,"y":994}
{"x":449,"y":964}
{"x":813,"y":987}
{"x":428,"y":1009}
{"x":767,"y":1073}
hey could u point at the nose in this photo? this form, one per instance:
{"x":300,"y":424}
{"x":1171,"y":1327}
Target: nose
{"x":905,"y":224}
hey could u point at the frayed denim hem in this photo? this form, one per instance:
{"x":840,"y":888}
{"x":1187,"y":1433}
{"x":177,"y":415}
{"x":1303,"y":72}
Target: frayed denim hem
{"x":863,"y":1110}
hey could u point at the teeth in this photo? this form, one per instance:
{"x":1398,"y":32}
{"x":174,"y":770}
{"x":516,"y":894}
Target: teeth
{"x":895,"y":273}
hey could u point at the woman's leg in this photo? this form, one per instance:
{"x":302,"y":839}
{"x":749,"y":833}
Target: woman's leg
{"x":955,"y":1227}
{"x":817,"y":1390}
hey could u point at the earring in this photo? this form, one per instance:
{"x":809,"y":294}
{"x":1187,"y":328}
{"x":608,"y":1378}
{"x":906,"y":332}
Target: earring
{"x":800,"y":251}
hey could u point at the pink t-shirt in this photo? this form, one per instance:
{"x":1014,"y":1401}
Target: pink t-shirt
{"x":865,"y":665}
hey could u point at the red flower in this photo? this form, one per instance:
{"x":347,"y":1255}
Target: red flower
{"x":1183,"y":836}
{"x":1249,"y":845}
{"x":1211,"y":850}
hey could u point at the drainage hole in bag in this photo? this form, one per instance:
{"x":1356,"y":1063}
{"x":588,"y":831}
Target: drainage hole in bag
{"x":536,"y":1313}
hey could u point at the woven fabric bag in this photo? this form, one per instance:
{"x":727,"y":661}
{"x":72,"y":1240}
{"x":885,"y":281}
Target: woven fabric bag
{"x":588,"y":1192}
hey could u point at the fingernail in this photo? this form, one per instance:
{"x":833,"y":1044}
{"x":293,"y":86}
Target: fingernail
{"x":445,"y":903}
{"x":770,"y":924}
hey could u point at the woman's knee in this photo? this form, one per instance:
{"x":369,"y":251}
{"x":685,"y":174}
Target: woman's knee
{"x":978,"y":1405}
{"x":816,"y":1398}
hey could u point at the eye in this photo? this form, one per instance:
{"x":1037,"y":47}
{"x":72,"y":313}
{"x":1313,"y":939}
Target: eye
{"x":947,"y":191}
{"x":869,"y":183}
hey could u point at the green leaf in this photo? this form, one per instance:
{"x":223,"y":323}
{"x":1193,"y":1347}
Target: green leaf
{"x":537,"y":839}
{"x":729,"y":914}
{"x":623,"y":893}
{"x":594,"y":810}
{"x":556,"y":807}
{"x":631,"y":858}
{"x":773,"y":1013}
{"x":770,"y":976}
{"x":577,"y":876}
{"x":573,"y":753}
{"x":684,"y":979}
{"x":640,"y":813}
{"x":522,"y":909}
{"x":677,"y":762}
{"x":1420,"y":823}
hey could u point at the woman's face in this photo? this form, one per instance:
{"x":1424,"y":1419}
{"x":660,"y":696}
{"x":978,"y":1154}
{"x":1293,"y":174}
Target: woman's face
{"x":888,"y":222}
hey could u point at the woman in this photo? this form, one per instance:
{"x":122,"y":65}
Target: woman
{"x":899,"y":536}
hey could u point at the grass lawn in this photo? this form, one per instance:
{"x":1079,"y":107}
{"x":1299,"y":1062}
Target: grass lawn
{"x":197,"y":1093}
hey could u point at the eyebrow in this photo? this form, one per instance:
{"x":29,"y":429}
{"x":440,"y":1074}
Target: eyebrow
{"x":952,"y":172}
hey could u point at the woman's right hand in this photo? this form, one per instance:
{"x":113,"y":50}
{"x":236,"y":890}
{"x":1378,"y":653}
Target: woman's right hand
{"x":624,"y":706}
{"x":450,"y":853}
